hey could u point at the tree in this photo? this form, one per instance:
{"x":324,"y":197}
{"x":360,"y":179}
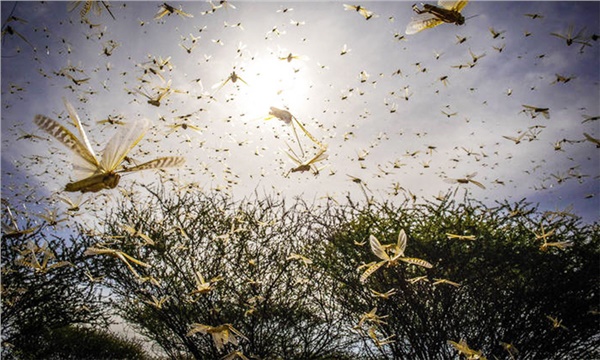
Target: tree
{"x":233,"y":272}
{"x":76,"y":343}
{"x":503,"y":278}
{"x":205,"y":277}
{"x":44,"y":287}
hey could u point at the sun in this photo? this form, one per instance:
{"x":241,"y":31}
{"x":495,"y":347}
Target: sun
{"x":273,"y":82}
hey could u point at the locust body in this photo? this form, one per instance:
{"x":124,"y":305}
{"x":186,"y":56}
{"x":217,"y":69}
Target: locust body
{"x":94,"y":183}
{"x":445,"y":15}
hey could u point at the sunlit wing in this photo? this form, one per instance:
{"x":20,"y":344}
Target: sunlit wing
{"x":453,"y":5}
{"x":319,"y":157}
{"x":378,"y":249}
{"x":220,"y":85}
{"x":88,"y":164}
{"x":122,"y":142}
{"x":370,"y":271}
{"x":294,"y":159}
{"x":591,"y":139}
{"x":401,"y":243}
{"x":477,"y":183}
{"x":417,"y":279}
{"x":460,"y":5}
{"x":133,"y":232}
{"x":168,"y":161}
{"x":460,"y":237}
{"x":183,"y":13}
{"x":82,"y":168}
{"x":118,"y":254}
{"x":87,"y":6}
{"x":415,"y":261}
{"x":458,"y":346}
{"x":422,"y":22}
{"x":161,"y":12}
{"x":384,"y":295}
{"x":75,"y":118}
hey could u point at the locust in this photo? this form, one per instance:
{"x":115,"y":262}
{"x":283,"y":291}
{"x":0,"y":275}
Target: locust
{"x":432,"y":15}
{"x":95,"y":173}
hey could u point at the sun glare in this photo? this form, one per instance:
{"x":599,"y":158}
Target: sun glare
{"x":273,"y":82}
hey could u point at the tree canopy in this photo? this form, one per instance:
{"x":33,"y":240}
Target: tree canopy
{"x":206,"y":277}
{"x":52,"y":303}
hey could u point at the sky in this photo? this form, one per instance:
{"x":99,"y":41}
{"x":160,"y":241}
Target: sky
{"x":374,"y":96}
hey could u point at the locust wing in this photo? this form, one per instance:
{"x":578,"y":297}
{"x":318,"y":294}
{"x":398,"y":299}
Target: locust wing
{"x":401,"y":245}
{"x":422,"y":22}
{"x":415,"y":261}
{"x":82,"y":169}
{"x":320,"y":156}
{"x":75,"y":118}
{"x":474,"y":182}
{"x":87,"y":163}
{"x":378,"y":249}
{"x":167,"y":161}
{"x":161,"y":12}
{"x":121,"y":143}
{"x":453,"y":5}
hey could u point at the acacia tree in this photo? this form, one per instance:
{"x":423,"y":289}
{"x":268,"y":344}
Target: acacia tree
{"x":195,"y":258}
{"x":47,"y":296}
{"x":206,"y":277}
{"x":510,"y":281}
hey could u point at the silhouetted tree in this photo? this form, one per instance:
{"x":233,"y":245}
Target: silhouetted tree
{"x":528,"y":280}
{"x":78,"y":343}
{"x":44,"y":287}
{"x":205,"y":277}
{"x":215,"y":262}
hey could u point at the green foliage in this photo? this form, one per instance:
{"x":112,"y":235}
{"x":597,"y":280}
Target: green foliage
{"x":287,"y":278}
{"x":44,"y":288}
{"x":243,"y":252}
{"x":77,"y":343}
{"x":509,"y":283}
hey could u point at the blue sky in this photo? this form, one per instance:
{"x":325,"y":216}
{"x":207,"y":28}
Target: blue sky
{"x":239,"y":152}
